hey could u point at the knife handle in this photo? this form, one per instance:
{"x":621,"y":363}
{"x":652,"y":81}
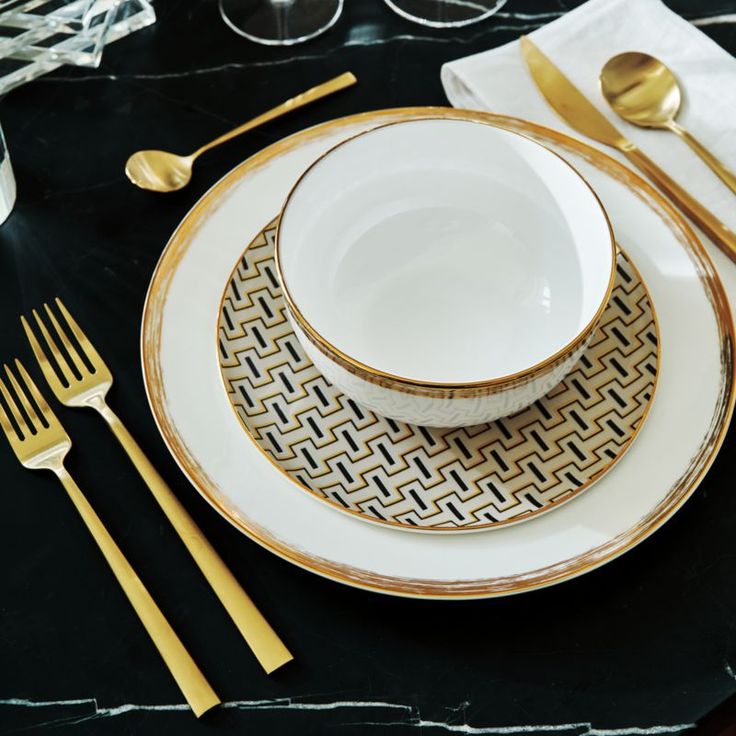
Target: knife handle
{"x":721,"y":235}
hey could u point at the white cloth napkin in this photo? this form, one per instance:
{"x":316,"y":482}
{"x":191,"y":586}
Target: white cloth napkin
{"x":580,"y":42}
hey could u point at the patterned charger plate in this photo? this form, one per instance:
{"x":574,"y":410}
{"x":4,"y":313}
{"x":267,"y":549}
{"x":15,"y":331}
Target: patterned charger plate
{"x":433,"y":479}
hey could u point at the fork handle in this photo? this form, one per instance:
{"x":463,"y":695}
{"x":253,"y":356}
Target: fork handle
{"x":197,"y":691}
{"x":257,"y":632}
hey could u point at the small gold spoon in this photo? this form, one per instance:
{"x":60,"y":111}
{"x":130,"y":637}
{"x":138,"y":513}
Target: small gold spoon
{"x":161,"y":171}
{"x":643,"y":91}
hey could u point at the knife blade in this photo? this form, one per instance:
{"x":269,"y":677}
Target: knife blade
{"x":567,"y":100}
{"x":577,"y":111}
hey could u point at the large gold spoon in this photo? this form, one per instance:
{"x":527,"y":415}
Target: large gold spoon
{"x":643,"y":91}
{"x":161,"y":171}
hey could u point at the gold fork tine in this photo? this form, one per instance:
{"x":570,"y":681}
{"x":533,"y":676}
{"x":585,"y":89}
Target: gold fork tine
{"x":89,"y":389}
{"x":43,"y":361}
{"x":66,"y":342}
{"x":45,"y":449}
{"x":58,"y":356}
{"x":21,"y":394}
{"x":46,"y":412}
{"x":92,"y":354}
{"x":7,"y":425}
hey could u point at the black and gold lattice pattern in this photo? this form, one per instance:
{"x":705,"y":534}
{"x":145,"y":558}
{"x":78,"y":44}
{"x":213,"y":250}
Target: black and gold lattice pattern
{"x":434,"y":479}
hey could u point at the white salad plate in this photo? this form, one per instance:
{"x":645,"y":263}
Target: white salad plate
{"x":422,"y":479}
{"x":685,"y":427}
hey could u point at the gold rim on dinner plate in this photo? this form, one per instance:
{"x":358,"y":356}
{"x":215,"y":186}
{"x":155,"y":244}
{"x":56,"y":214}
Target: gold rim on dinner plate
{"x":443,"y":389}
{"x":680,"y":490}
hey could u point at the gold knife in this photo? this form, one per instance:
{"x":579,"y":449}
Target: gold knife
{"x":575,"y":109}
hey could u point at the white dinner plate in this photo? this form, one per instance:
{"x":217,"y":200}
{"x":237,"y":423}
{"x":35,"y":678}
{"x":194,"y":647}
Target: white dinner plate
{"x":686,"y":425}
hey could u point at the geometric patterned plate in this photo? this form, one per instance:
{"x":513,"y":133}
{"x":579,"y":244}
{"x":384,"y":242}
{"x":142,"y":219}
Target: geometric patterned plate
{"x":426,"y":479}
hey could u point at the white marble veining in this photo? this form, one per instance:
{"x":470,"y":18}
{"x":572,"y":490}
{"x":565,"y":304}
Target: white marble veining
{"x":360,"y":37}
{"x":545,"y":16}
{"x":412,"y":717}
{"x":578,"y":729}
{"x":715,"y":20}
{"x":97,"y":712}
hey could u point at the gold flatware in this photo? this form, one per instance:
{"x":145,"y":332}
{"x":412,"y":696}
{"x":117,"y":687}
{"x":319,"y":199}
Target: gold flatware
{"x":41,"y":443}
{"x":573,"y":107}
{"x":161,"y":171}
{"x":644,"y":91}
{"x":85,"y":384}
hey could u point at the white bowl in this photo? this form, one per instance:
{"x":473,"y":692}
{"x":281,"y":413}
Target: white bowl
{"x":444,"y":272}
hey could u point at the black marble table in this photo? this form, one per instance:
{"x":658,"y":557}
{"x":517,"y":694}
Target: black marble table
{"x":643,"y":645}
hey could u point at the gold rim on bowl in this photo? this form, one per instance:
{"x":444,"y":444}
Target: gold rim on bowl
{"x":441,"y":389}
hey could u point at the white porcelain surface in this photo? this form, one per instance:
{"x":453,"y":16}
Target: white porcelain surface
{"x":199,"y":426}
{"x":427,"y":248}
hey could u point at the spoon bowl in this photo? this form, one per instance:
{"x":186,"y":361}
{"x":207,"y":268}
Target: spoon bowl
{"x":159,"y":171}
{"x":641,"y":89}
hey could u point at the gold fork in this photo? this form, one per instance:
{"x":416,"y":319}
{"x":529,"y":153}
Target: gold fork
{"x":88,"y":386}
{"x":41,"y":443}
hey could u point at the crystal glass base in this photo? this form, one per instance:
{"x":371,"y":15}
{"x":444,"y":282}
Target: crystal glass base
{"x":38,"y":36}
{"x":280,"y":22}
{"x":445,"y":13}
